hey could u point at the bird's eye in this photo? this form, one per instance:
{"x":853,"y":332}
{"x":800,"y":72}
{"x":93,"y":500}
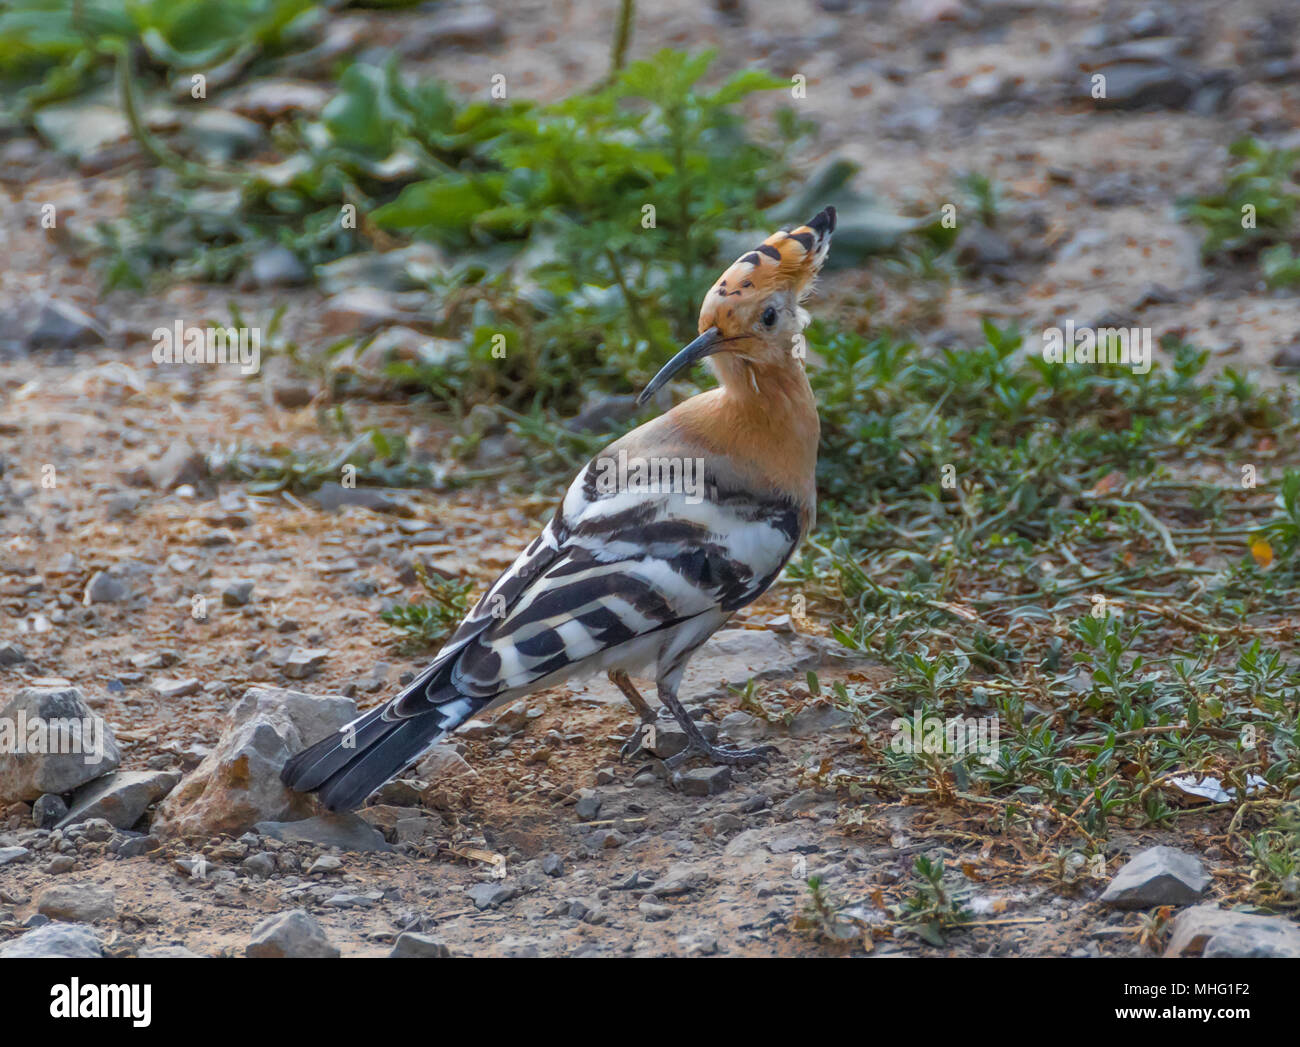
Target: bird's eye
{"x":769,"y":316}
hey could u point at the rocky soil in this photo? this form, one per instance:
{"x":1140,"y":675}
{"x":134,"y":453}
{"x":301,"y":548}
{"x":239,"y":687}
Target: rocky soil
{"x":215,"y":631}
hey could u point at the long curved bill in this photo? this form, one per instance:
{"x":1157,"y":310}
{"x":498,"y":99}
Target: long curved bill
{"x":705,"y":345}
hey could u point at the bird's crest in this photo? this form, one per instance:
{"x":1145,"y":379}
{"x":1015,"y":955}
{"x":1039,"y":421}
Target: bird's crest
{"x":786,"y":259}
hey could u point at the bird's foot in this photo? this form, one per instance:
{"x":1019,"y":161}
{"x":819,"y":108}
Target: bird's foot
{"x":720,"y":754}
{"x":640,"y":740}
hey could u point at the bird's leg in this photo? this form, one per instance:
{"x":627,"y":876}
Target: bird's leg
{"x":698,"y":744}
{"x":620,"y":679}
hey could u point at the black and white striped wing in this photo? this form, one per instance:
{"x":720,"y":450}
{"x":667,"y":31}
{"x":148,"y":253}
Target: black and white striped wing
{"x":608,"y":570}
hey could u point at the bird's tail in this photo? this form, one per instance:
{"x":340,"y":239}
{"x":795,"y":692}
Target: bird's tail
{"x":352,"y":763}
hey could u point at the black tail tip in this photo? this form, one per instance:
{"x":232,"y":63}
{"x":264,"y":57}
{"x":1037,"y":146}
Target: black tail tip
{"x":824,"y":222}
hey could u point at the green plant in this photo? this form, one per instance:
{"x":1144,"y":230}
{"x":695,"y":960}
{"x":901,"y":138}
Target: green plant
{"x":426,"y":624}
{"x":1257,"y":204}
{"x":935,"y":908}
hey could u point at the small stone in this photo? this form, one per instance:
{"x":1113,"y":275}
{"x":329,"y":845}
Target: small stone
{"x":134,"y":846}
{"x":1157,"y":876}
{"x":120,"y":798}
{"x":290,"y":935}
{"x":410,"y":944}
{"x":553,"y":865}
{"x":11,"y":654}
{"x":167,"y":952}
{"x":326,"y":863}
{"x":680,"y":879}
{"x":105,"y":587}
{"x":260,"y":865}
{"x":237,"y":594}
{"x":179,"y":465}
{"x":120,"y":505}
{"x":588,"y":806}
{"x":77,"y":902}
{"x":167,"y":688}
{"x":48,"y":811}
{"x":348,"y":832}
{"x":62,"y":325}
{"x":653,"y":910}
{"x":491,"y":895}
{"x":304,"y":661}
{"x":705,"y":781}
{"x":12,"y":854}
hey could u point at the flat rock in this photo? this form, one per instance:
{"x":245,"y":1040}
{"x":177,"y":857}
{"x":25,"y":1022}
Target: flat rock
{"x":66,"y":940}
{"x":168,"y":952}
{"x":705,"y":781}
{"x":410,"y":944}
{"x":105,"y":587}
{"x":238,"y":783}
{"x":77,"y":902}
{"x":290,"y":935}
{"x":680,"y":878}
{"x":1157,"y":876}
{"x":26,"y":776}
{"x":491,"y":895}
{"x":167,"y":688}
{"x":348,"y":832}
{"x":61,"y":325}
{"x":1207,"y":930}
{"x":305,"y":661}
{"x":730,"y":658}
{"x":332,"y":497}
{"x":120,"y":798}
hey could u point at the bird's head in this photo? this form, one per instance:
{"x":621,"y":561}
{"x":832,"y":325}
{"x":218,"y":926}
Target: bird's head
{"x":752,"y":316}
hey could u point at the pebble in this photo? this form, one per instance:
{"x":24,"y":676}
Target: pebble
{"x":1157,"y":876}
{"x":77,"y":902}
{"x":105,"y":587}
{"x":290,"y":935}
{"x":237,"y":593}
{"x":704,"y":781}
{"x":261,"y":865}
{"x":411,"y":944}
{"x":48,"y":810}
{"x":304,"y":661}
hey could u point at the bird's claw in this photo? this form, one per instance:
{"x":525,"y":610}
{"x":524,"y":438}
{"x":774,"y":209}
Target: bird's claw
{"x":635,"y":741}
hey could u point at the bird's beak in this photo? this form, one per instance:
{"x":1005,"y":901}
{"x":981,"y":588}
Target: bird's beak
{"x":705,"y":345}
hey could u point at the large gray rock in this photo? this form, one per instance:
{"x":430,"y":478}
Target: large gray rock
{"x":1157,"y":876}
{"x":79,"y":736}
{"x":64,"y":940}
{"x":290,"y":935}
{"x":238,"y":784}
{"x":120,"y":798}
{"x":348,"y":832}
{"x":77,"y":902}
{"x":1210,"y":931}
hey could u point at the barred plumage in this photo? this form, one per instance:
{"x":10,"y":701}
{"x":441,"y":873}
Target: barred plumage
{"x":629,"y":576}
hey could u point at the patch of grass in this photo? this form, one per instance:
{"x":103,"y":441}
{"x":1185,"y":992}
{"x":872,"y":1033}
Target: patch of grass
{"x":934,"y":909}
{"x":1104,"y":562}
{"x":372,"y":459}
{"x":1256,"y":207}
{"x":424,"y":625}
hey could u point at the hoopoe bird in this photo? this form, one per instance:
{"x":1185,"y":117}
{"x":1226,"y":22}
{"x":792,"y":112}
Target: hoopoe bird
{"x":627,"y":578}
